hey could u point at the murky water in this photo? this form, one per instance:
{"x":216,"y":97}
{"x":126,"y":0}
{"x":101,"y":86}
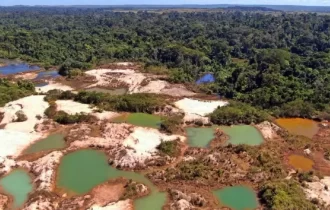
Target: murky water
{"x":18,"y":184}
{"x":300,"y":162}
{"x":199,"y":137}
{"x":82,"y":170}
{"x":237,"y":197}
{"x":140,"y":119}
{"x":243,"y":134}
{"x":55,"y":141}
{"x":17,"y":68}
{"x":117,"y":91}
{"x":299,"y":126}
{"x":47,"y":74}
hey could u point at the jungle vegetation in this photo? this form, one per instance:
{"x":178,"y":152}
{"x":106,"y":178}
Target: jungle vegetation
{"x":265,"y":59}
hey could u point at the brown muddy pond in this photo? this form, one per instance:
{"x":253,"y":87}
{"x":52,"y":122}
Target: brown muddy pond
{"x":300,"y":162}
{"x":299,"y":126}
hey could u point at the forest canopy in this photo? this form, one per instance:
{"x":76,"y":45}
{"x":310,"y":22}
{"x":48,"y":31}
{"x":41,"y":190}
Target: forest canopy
{"x":265,"y":59}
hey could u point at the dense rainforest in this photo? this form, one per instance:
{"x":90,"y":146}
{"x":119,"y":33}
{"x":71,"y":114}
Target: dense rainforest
{"x":272,"y":60}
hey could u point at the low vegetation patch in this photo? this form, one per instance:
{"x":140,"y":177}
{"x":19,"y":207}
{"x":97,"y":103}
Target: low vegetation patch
{"x":171,"y":124}
{"x":138,"y":102}
{"x":284,"y":194}
{"x":297,"y":108}
{"x":62,"y":117}
{"x":10,"y":91}
{"x":171,"y":148}
{"x":238,"y":113}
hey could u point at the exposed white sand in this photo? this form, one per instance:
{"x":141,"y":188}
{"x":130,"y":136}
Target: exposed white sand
{"x":139,"y":144}
{"x":177,"y":91}
{"x":120,"y":205}
{"x":124,"y":63}
{"x":72,"y":107}
{"x":134,"y":80}
{"x":145,"y":140}
{"x":40,"y":203}
{"x":105,"y":77}
{"x":318,"y":190}
{"x":45,"y":167}
{"x":155,"y":86}
{"x":268,"y":130}
{"x":202,"y":108}
{"x":31,"y":106}
{"x":105,"y":115}
{"x":6,"y":164}
{"x":13,"y":142}
{"x":53,"y":86}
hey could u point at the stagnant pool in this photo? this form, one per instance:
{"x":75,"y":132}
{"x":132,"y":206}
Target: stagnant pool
{"x":237,"y":197}
{"x":243,"y":134}
{"x":299,"y":126}
{"x":139,"y":119}
{"x":82,"y":170}
{"x":54,"y":141}
{"x":17,"y":184}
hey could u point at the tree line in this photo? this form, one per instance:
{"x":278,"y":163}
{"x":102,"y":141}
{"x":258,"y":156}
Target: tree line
{"x":265,"y":59}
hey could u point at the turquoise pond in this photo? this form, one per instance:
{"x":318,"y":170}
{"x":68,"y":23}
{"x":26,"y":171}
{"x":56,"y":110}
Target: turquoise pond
{"x":238,"y":134}
{"x":199,"y":137}
{"x":237,"y":197}
{"x":243,"y":134}
{"x":17,"y":184}
{"x":82,"y":170}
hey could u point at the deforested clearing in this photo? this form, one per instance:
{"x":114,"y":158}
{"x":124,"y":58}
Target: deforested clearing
{"x":14,"y":142}
{"x":202,"y":108}
{"x":72,"y":107}
{"x":32,"y":106}
{"x":53,"y":86}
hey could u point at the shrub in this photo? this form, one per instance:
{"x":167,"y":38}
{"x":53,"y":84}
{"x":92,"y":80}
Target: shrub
{"x":170,"y":148}
{"x":171,"y":124}
{"x":238,"y":113}
{"x":10,"y":91}
{"x":65,"y":118}
{"x":297,"y":108}
{"x":50,"y":112}
{"x":21,"y":117}
{"x":138,"y":102}
{"x":284,"y":194}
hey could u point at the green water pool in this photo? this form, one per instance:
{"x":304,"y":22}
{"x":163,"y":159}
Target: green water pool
{"x":140,"y":119}
{"x":237,"y":197}
{"x":199,"y":137}
{"x":17,"y":184}
{"x":54,"y":141}
{"x":82,"y":170}
{"x":243,"y":134}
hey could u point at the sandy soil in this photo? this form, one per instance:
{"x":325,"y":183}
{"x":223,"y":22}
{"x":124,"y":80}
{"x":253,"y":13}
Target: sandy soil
{"x":196,"y":110}
{"x":44,"y":169}
{"x":32,"y":106}
{"x":27,"y":76}
{"x":130,"y":146}
{"x":120,"y":205}
{"x":53,"y":86}
{"x":319,"y":190}
{"x":268,"y":130}
{"x":4,"y":201}
{"x":108,"y":192}
{"x":135,"y":82}
{"x":6,"y":164}
{"x":13,"y":142}
{"x":72,"y":107}
{"x":105,"y":115}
